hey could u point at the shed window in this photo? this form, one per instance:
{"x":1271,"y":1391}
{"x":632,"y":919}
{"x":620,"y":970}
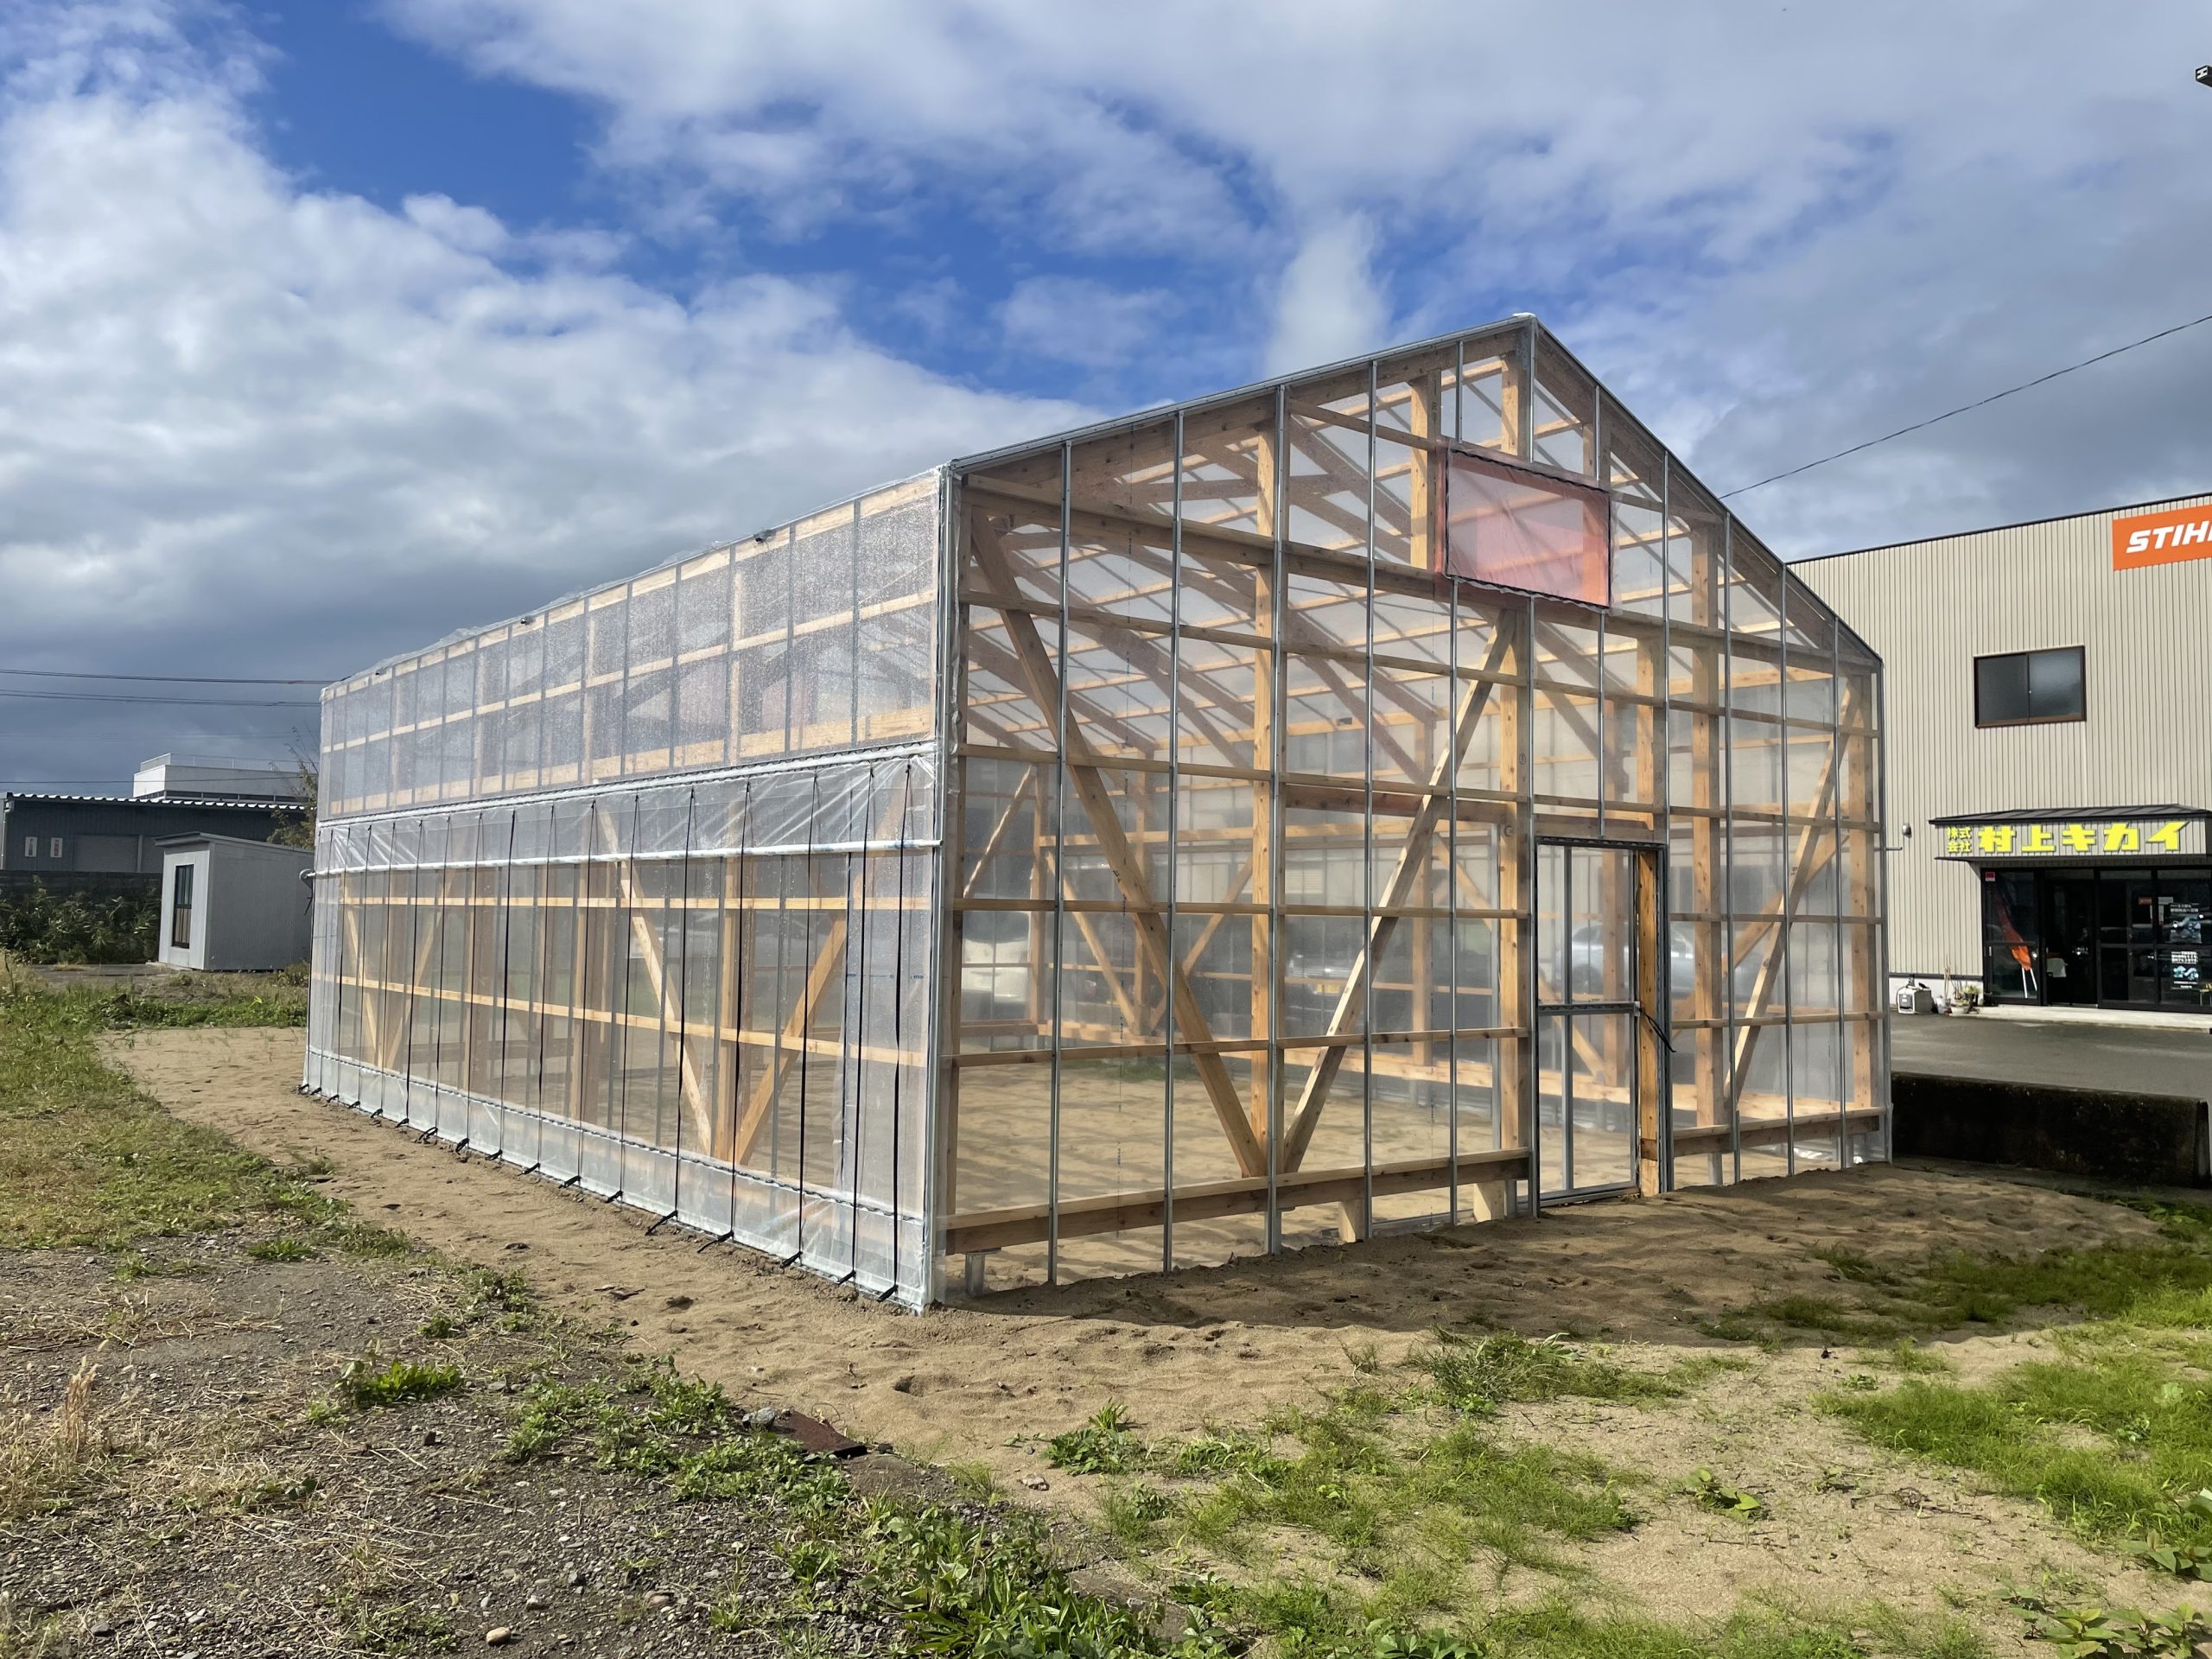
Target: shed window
{"x":181,"y":909}
{"x":53,"y":848}
{"x":30,"y":846}
{"x":2027,"y":687}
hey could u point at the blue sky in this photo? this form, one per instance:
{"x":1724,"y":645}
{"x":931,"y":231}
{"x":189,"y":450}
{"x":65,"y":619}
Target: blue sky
{"x":331,"y":327}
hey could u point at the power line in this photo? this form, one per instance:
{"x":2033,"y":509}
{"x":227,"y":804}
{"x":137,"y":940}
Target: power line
{"x":1963,"y":409}
{"x":165,"y":680}
{"x":199,"y":702}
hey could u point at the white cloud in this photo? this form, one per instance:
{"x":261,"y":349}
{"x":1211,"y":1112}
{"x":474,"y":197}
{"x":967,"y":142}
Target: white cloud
{"x":1073,"y":319}
{"x":1327,"y":307}
{"x":1780,"y":229}
{"x":252,"y":429}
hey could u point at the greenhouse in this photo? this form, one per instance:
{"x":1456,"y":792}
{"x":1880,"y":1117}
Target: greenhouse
{"x":1395,"y":795}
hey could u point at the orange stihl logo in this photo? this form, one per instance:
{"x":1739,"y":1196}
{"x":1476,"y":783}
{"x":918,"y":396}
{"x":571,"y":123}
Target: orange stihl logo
{"x":2162,"y":538}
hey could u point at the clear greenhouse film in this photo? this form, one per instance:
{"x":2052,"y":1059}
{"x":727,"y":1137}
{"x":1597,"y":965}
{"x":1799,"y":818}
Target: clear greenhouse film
{"x":689,"y":965}
{"x":1396,"y":795}
{"x":1301,"y":891}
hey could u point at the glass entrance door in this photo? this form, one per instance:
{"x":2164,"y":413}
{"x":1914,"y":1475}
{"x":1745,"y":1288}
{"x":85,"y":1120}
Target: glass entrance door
{"x":1600,"y":1018}
{"x":2069,"y":939}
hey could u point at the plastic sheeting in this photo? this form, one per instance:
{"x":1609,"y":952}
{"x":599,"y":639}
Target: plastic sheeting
{"x":1261,"y":811}
{"x":710,"y":1000}
{"x":812,"y":638}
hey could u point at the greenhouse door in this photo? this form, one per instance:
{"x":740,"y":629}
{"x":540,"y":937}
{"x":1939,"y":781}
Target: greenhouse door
{"x":1601,"y":1013}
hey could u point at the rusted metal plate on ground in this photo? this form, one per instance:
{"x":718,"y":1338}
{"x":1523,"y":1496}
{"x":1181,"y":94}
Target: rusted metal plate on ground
{"x":816,"y":1436}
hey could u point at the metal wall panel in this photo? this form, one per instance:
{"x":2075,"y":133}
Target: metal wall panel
{"x":1931,"y":607}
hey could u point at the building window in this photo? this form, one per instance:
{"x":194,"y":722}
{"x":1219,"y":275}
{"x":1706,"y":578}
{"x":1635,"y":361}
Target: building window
{"x":53,"y":848}
{"x":2026,"y":687}
{"x":180,"y":909}
{"x":30,"y":846}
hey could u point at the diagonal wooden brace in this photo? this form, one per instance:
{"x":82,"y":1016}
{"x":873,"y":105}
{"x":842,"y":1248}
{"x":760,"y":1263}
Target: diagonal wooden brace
{"x":1091,"y":793}
{"x":1298,"y":1132}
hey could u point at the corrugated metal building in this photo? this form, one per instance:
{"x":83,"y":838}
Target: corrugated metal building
{"x":53,"y":835}
{"x":2049,"y":775}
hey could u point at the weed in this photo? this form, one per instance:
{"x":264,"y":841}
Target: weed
{"x":440,"y":1327}
{"x":1365,"y":1359}
{"x":1709,"y":1490}
{"x":399,"y":1629}
{"x":1479,"y":1373}
{"x":811,"y":1562}
{"x":2115,"y":1633}
{"x":972,"y":1480}
{"x":364,"y":1385}
{"x":552,"y":1413}
{"x":2182,"y":1549}
{"x":1133,"y":1512}
{"x":958,"y":1587}
{"x":1102,"y":1446}
{"x":506,"y":1295}
{"x":293,"y":1492}
{"x":45,"y":1460}
{"x":1223,"y":1454}
{"x":732,"y":1613}
{"x":1855,"y":1266}
{"x":284,"y":1248}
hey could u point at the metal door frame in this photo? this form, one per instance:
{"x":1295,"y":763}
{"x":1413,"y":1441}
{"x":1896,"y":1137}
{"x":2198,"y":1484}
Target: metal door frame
{"x":1654,"y":1026}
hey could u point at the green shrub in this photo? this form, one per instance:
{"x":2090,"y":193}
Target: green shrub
{"x":39,"y":926}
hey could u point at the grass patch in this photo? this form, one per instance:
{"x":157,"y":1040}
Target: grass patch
{"x":88,"y":1160}
{"x":2165,"y":1282}
{"x":283,"y":1249}
{"x":365,"y":1385}
{"x":394,"y":1628}
{"x":951,"y":1582}
{"x":2115,"y":1443}
{"x":1477,"y":1375}
{"x":279,"y":1005}
{"x":1310,"y":1620}
{"x":1400,"y":1503}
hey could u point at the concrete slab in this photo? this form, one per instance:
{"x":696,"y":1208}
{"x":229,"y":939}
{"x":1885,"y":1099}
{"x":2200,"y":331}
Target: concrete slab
{"x":2126,"y":1059}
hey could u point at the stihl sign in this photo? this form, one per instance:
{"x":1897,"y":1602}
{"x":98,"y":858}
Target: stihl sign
{"x":2162,"y":538}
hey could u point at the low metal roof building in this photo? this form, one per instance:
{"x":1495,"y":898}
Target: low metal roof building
{"x":58,"y":833}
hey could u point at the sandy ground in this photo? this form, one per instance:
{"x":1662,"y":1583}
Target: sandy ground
{"x":1223,"y":1345}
